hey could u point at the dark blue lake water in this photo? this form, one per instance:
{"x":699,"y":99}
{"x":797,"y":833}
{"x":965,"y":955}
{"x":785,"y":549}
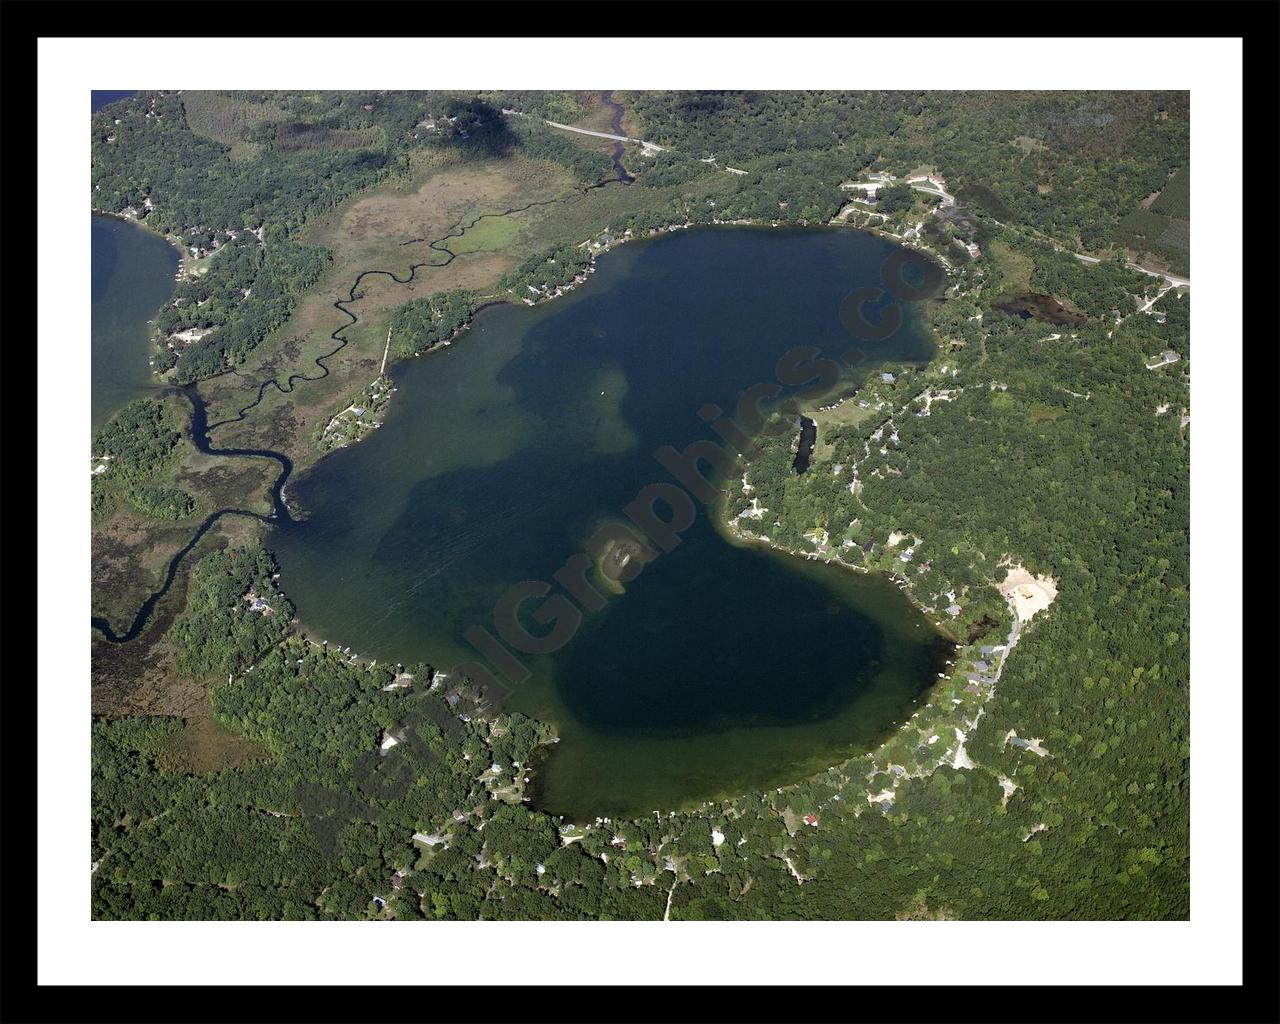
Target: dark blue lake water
{"x":132,"y":277}
{"x":721,"y":667}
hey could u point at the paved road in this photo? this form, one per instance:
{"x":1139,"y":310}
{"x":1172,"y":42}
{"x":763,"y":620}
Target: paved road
{"x":934,"y":189}
{"x":919,"y":184}
{"x":601,"y":135}
{"x":922,"y":185}
{"x":947,"y":198}
{"x":1173,"y":279}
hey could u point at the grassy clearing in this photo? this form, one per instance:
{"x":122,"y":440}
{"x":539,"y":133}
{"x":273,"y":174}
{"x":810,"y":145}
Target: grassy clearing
{"x":489,"y":235}
{"x":295,"y":136}
{"x":204,"y":744}
{"x":1015,"y":268}
{"x":1045,"y":413}
{"x":847,"y":413}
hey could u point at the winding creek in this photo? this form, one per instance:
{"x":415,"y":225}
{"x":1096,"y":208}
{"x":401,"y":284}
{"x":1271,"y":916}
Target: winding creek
{"x":618,"y":110}
{"x":200,"y":437}
{"x":499,"y":457}
{"x":200,"y":427}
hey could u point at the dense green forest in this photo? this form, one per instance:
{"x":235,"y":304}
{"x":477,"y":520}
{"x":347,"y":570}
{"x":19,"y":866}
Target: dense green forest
{"x":1064,"y":461}
{"x":1072,"y":165}
{"x":418,"y":325}
{"x":234,"y":613}
{"x":391,"y":793}
{"x":133,"y":454}
{"x":546,"y":271}
{"x":1067,"y":452}
{"x":139,"y":439}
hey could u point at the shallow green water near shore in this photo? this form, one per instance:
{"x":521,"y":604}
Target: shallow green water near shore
{"x":721,"y":667}
{"x":133,"y":272}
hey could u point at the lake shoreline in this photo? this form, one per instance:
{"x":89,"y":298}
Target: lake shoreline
{"x":557,"y":293}
{"x":561,"y":291}
{"x":533,"y":373}
{"x":132,"y":282}
{"x":141,"y":222}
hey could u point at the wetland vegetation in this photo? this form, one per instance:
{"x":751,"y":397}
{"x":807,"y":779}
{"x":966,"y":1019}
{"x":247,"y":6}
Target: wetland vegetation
{"x":252,"y":767}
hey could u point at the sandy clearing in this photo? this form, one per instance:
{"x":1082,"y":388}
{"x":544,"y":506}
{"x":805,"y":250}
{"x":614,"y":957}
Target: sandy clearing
{"x":1026,"y":593}
{"x":1033,"y":744}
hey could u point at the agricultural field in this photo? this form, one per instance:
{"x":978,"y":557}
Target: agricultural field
{"x":1175,"y":198}
{"x":225,"y":119}
{"x":1152,"y":238}
{"x":1159,"y":231}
